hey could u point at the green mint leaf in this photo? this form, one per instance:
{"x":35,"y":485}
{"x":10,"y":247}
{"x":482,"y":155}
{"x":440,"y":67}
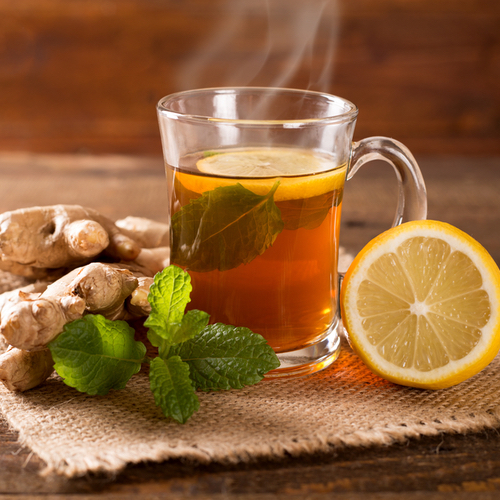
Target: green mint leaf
{"x":308,"y":213}
{"x":192,"y":324}
{"x":225,"y":357}
{"x":224,"y":228}
{"x":94,"y":354}
{"x":168,"y":296}
{"x":172,"y":388}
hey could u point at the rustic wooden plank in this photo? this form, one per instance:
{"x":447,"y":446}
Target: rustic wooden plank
{"x":86,"y":75}
{"x":115,"y":185}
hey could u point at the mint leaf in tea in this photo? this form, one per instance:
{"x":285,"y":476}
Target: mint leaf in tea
{"x":224,"y":228}
{"x":308,"y":213}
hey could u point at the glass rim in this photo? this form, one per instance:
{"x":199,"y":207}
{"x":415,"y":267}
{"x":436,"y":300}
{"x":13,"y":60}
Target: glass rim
{"x":343,"y":117}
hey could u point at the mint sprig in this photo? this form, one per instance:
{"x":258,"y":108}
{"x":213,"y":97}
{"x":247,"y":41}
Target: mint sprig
{"x":95,"y":355}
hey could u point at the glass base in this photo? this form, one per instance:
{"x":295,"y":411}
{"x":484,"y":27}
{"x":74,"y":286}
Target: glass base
{"x":310,"y":359}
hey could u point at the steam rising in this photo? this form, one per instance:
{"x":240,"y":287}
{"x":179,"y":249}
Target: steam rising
{"x":272,"y":43}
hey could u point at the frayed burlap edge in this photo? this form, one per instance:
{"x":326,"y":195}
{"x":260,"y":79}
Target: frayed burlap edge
{"x":384,"y":436}
{"x":377,"y":436}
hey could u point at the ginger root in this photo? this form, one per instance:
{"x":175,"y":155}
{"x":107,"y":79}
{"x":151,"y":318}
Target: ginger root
{"x":13,"y":296}
{"x":64,"y":243}
{"x":22,"y":370}
{"x":137,"y":303}
{"x":4,"y":345}
{"x":96,"y":288}
{"x":152,"y":260}
{"x":36,"y":242}
{"x":148,"y":233}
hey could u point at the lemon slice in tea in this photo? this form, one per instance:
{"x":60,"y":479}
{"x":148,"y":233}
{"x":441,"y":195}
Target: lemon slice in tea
{"x":302,"y":173}
{"x":264,"y":162}
{"x":421,"y":305}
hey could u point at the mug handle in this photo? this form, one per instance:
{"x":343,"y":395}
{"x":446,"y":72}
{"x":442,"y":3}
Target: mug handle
{"x":412,"y":199}
{"x":412,"y":195}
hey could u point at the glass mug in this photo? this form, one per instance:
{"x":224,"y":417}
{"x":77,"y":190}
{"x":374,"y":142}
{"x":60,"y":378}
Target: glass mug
{"x":255,"y":180}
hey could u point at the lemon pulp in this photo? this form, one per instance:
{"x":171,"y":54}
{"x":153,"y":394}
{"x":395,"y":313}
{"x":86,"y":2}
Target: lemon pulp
{"x":302,"y":173}
{"x":423,"y":313}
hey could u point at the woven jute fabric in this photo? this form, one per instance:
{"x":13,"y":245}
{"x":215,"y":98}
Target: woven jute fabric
{"x":344,"y":405}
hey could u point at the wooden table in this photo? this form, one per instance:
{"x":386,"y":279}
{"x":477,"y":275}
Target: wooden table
{"x":462,"y":191}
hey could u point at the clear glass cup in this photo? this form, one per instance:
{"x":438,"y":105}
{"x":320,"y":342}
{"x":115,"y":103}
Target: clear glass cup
{"x":255,"y":180}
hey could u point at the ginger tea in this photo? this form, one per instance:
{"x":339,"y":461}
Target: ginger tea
{"x":257,"y":230}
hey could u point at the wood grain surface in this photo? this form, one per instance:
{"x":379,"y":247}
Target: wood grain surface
{"x":85,"y":75}
{"x":448,"y":466}
{"x":463,"y":192}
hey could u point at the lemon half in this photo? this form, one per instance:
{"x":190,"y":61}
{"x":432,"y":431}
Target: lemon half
{"x":421,"y":305}
{"x":302,"y":173}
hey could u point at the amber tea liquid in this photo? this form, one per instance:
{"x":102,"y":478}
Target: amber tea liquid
{"x":288,"y":292}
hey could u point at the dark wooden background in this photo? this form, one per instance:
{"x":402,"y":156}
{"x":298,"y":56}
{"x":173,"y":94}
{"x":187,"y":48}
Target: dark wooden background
{"x":85,"y":75}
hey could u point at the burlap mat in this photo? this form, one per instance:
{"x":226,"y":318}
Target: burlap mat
{"x":345,"y":405}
